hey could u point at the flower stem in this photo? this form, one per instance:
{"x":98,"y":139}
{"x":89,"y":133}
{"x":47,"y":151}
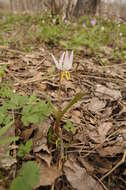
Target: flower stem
{"x":59,"y":130}
{"x":57,"y":126}
{"x":59,"y":92}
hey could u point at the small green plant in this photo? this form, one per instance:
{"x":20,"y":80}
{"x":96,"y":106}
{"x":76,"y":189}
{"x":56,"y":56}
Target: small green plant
{"x":34,"y":113}
{"x":118,"y":55}
{"x":24,"y":149}
{"x":27,"y":177}
{"x":32,"y":109}
{"x":69,"y":127}
{"x":63,"y":65}
{"x":52,"y":30}
{"x":122,"y":28}
{"x":51,"y":33}
{"x":2,"y":70}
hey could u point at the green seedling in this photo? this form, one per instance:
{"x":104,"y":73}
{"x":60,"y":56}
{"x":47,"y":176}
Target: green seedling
{"x":69,"y":127}
{"x":25,"y":149}
{"x":32,"y":109}
{"x":2,"y":70}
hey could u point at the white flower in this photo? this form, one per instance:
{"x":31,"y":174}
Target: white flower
{"x":102,"y":28}
{"x":65,"y":61}
{"x":84,"y":25}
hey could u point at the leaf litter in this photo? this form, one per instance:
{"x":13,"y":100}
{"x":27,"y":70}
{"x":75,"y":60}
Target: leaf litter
{"x":78,"y":177}
{"x":100,"y":138}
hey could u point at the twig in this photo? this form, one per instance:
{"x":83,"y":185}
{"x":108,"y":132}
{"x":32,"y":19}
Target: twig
{"x":122,"y":180}
{"x":101,"y":183}
{"x":116,"y":166}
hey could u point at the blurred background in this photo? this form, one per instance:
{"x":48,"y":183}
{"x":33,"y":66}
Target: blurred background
{"x":68,"y":8}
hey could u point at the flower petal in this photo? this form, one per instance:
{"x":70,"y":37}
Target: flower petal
{"x":71,"y":59}
{"x":61,"y":61}
{"x":55,"y":61}
{"x":66,"y":62}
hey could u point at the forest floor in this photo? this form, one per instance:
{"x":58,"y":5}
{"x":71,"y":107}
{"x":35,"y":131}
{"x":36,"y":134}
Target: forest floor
{"x":94,"y":128}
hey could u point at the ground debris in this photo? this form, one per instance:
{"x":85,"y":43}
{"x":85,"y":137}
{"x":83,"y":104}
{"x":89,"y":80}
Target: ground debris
{"x":78,"y":176}
{"x":48,"y":175}
{"x":99,"y":119}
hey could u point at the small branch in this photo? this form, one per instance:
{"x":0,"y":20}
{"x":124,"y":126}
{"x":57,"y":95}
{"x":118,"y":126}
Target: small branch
{"x":116,"y":166}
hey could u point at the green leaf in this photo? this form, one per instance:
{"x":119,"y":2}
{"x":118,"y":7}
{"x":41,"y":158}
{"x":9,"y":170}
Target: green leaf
{"x":32,"y":99}
{"x":25,"y":149}
{"x":77,"y":97}
{"x":5,"y":91}
{"x":17,"y":101}
{"x":8,"y":140}
{"x":52,"y":107}
{"x":27,"y":178}
{"x":35,"y":113}
{"x":69,"y":127}
{"x":19,"y":184}
{"x":2,"y":70}
{"x":2,"y":114}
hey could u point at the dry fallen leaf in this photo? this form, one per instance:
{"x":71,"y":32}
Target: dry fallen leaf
{"x":89,"y":168}
{"x":45,"y":157}
{"x":99,"y":136}
{"x":76,"y":116}
{"x":96,"y":105}
{"x":40,"y":138}
{"x":48,"y":175}
{"x":79,"y":178}
{"x":111,"y":150}
{"x":7,"y":161}
{"x":28,"y":132}
{"x":107,"y":112}
{"x":104,"y":92}
{"x":103,"y":130}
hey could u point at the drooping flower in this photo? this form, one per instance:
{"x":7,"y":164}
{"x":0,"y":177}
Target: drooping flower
{"x":93,"y":22}
{"x":64,"y":64}
{"x":65,"y":61}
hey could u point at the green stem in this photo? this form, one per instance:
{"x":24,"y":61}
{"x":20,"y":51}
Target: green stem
{"x":58,"y":118}
{"x":59,"y":102}
{"x":59,"y":93}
